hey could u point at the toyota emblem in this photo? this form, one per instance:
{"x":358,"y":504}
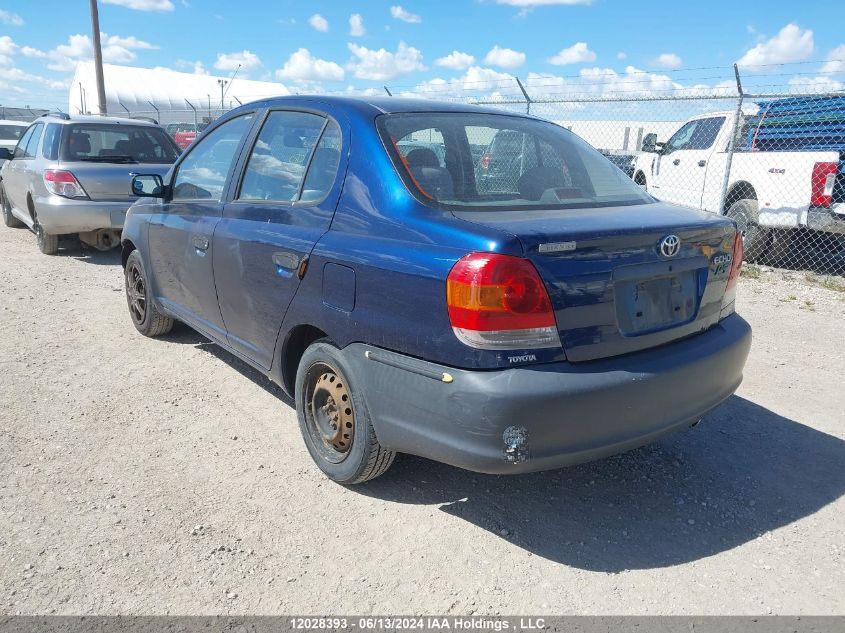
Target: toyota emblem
{"x":669,"y":246}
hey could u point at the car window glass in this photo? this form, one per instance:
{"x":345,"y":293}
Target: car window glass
{"x":11,"y":132}
{"x":423,"y":147}
{"x":124,"y":143}
{"x":50,"y":147}
{"x":278,"y":160}
{"x":32,"y":143}
{"x":20,"y":148}
{"x":203,"y":172}
{"x":682,"y":137}
{"x":507,"y":155}
{"x":323,"y":168}
{"x":705,"y":133}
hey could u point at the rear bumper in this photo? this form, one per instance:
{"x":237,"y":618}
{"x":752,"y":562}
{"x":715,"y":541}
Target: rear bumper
{"x":828,"y":220}
{"x":568,"y":413}
{"x":60,"y":215}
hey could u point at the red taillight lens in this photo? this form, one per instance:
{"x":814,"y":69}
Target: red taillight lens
{"x":823,"y":181}
{"x":499,"y":302}
{"x":736,"y":261}
{"x":486,"y":158}
{"x":63,"y":183}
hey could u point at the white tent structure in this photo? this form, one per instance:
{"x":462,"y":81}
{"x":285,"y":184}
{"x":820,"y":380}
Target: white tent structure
{"x":165,"y":95}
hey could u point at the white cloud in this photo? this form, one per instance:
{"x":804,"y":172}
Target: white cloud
{"x":667,"y":60}
{"x":504,"y":57}
{"x":476,"y":80}
{"x":319,"y":23}
{"x":400,"y":13}
{"x":116,"y":49}
{"x":381,"y":64}
{"x":356,"y":25}
{"x":302,"y":66}
{"x":578,"y":53}
{"x":8,"y":48}
{"x":536,"y":3}
{"x":143,"y":5}
{"x":815,"y":85}
{"x":791,"y":44}
{"x":456,"y":60}
{"x":835,"y":63}
{"x":247,"y":60}
{"x":12,"y":19}
{"x":621,"y":56}
{"x":197,"y":67}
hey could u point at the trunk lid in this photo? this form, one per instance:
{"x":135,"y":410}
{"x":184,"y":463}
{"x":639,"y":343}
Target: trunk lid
{"x":111,"y":181}
{"x":612,"y":290}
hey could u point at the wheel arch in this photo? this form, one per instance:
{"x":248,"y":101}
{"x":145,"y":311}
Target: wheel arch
{"x":295,"y":344}
{"x":639,"y":177}
{"x":740,"y":190}
{"x":126,"y":248}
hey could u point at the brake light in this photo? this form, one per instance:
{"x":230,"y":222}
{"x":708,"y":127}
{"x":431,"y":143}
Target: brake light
{"x":733,"y":276}
{"x":499,"y":302}
{"x":823,"y":181}
{"x":63,"y":183}
{"x":486,"y":159}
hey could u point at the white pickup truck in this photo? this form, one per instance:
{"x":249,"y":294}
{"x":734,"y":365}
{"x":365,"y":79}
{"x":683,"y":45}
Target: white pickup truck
{"x":772,"y":189}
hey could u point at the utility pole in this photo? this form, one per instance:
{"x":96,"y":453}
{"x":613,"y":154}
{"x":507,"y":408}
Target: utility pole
{"x":222,"y":83}
{"x":98,"y":58}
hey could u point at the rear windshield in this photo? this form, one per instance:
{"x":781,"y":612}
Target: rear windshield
{"x":110,"y":143}
{"x":490,"y":161}
{"x":14,"y":132}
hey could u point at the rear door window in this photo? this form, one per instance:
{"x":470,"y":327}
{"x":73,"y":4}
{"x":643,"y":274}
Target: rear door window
{"x":50,"y":147}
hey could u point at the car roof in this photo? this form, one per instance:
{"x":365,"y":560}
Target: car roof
{"x":381,"y":105}
{"x":11,"y":122}
{"x":96,"y":118}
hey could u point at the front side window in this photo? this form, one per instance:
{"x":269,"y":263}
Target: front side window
{"x":493,"y":161}
{"x":117,"y":143}
{"x":280,"y":157}
{"x":202,"y":174}
{"x":20,"y":148}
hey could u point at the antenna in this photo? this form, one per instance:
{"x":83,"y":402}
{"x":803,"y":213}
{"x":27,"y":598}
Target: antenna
{"x":231,"y":79}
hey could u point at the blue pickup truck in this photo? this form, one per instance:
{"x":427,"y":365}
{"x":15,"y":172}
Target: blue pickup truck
{"x":556,"y":316}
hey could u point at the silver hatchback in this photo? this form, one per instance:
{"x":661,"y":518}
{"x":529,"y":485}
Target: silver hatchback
{"x":73,"y":174}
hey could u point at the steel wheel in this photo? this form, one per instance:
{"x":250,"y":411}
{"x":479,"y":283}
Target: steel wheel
{"x":329,"y":413}
{"x":755,"y":239}
{"x":136,"y":293}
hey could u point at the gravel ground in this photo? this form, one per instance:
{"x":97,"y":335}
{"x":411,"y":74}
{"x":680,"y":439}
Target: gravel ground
{"x":165,"y":477}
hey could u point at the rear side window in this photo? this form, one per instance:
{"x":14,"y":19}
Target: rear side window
{"x":477,"y":161}
{"x":203,"y":172}
{"x":281,"y":156}
{"x":50,"y":147}
{"x":117,"y":143}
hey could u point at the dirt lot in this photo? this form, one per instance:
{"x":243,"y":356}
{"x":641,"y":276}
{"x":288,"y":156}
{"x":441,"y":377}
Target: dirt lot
{"x":163,"y":476}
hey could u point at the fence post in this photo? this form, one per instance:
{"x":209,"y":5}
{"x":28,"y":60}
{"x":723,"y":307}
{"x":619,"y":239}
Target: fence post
{"x":191,"y":106}
{"x":524,"y":94}
{"x":732,"y":142}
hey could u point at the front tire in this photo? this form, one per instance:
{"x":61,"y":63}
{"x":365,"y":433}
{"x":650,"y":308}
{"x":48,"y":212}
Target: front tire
{"x":47,"y":244}
{"x":334,"y":420}
{"x":8,"y":219}
{"x":142,"y":309}
{"x":756,"y":240}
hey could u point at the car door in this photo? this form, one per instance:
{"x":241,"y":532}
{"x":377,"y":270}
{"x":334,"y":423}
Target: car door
{"x":682,"y":166}
{"x":285,"y":200}
{"x":180,"y":236}
{"x":16,"y":173}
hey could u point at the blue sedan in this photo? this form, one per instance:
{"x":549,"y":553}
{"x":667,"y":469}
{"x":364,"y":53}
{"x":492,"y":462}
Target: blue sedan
{"x":554,"y":315}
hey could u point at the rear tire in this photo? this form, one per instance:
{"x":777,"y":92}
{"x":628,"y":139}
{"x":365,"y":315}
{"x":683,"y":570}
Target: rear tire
{"x":8,"y":219}
{"x":146,"y":317}
{"x":334,"y":420}
{"x":47,"y":244}
{"x":780,"y":250}
{"x":756,"y":240}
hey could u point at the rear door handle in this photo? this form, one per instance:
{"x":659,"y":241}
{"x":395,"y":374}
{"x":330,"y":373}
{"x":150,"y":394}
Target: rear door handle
{"x":286,"y":263}
{"x":702,"y":163}
{"x":200,"y":243}
{"x":677,"y":161}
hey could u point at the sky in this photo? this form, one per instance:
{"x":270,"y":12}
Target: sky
{"x":435,"y":47}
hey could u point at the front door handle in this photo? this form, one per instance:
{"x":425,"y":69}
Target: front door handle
{"x":286,"y":263}
{"x":200,"y":243}
{"x":677,"y":161}
{"x":702,"y":163}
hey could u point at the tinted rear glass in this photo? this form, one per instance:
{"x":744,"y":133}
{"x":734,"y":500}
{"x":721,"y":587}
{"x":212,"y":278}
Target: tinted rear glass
{"x":11,"y":131}
{"x":490,"y":161}
{"x":112,"y":143}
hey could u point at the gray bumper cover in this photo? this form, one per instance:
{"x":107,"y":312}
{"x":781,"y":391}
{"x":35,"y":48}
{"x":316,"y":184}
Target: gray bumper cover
{"x":567,"y":413}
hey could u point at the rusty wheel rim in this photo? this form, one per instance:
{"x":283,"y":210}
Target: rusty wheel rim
{"x":330,"y":413}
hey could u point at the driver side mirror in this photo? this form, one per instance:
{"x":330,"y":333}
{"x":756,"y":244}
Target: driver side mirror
{"x":148,"y":186}
{"x":659,"y":147}
{"x":6,"y":153}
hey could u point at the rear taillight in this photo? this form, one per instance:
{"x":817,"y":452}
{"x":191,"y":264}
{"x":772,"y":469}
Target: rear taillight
{"x":499,"y":302}
{"x":733,"y":276}
{"x":823,"y":181}
{"x":486,"y":159}
{"x":63,"y":183}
